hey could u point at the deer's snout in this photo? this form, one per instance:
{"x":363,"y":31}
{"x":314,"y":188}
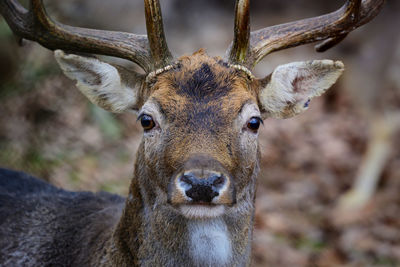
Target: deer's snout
{"x":202,"y":190}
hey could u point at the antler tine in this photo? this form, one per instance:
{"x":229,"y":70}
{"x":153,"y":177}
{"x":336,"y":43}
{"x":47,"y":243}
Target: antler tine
{"x":240,"y":47}
{"x":155,"y":33}
{"x":35,"y":25}
{"x":332,"y":28}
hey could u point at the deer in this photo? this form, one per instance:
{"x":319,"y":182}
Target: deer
{"x":192,"y":194}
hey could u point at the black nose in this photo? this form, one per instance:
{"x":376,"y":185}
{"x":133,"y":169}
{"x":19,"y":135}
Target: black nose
{"x":202,"y":189}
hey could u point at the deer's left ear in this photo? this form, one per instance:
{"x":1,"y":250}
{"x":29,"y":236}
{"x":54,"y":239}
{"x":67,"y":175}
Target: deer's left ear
{"x":289,"y":89}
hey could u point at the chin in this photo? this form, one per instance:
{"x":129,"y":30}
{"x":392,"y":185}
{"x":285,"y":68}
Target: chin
{"x":199,"y":211}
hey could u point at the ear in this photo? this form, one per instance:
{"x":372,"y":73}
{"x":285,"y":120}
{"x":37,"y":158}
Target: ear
{"x":111,"y":87}
{"x":289,"y":89}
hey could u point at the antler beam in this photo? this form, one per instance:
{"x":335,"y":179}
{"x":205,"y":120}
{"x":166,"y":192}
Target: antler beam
{"x":331,"y":28}
{"x":36,"y":25}
{"x":240,"y":46}
{"x":155,"y":33}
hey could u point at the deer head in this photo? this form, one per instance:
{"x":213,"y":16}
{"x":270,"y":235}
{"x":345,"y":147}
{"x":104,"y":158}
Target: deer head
{"x":200,"y":114}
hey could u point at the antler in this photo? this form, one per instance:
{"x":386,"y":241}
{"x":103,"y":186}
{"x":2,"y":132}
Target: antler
{"x":36,"y":25}
{"x":155,"y":33}
{"x":331,"y":28}
{"x":240,"y":46}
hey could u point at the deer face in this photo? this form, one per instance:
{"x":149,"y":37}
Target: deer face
{"x":201,"y":118}
{"x":204,"y":130}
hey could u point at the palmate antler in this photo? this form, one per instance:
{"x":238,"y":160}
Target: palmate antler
{"x":149,"y":52}
{"x":249,"y":48}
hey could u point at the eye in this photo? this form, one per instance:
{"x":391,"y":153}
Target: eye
{"x":147,"y":122}
{"x":254,"y":123}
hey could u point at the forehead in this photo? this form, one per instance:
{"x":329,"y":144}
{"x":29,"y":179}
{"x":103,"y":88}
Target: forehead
{"x":202,"y":90}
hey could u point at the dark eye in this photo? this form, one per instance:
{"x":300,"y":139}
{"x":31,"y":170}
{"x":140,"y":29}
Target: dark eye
{"x":254,"y":123}
{"x":147,"y":122}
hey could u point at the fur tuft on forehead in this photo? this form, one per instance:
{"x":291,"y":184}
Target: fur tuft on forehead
{"x":200,"y":75}
{"x":203,"y":82}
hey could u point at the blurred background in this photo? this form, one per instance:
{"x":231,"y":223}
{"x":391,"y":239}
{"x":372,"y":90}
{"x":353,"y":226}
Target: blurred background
{"x":329,"y":186}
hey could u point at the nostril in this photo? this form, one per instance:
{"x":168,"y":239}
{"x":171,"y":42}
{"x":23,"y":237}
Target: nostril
{"x":187,"y":182}
{"x":220,"y":180}
{"x":187,"y":179}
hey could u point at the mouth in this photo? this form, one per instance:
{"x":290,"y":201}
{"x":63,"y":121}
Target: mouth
{"x":201,"y":210}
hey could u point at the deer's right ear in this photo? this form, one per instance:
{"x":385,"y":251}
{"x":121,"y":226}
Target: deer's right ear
{"x":111,"y":87}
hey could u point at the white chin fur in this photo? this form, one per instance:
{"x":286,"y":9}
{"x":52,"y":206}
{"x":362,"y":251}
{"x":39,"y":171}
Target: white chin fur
{"x":201,"y":211}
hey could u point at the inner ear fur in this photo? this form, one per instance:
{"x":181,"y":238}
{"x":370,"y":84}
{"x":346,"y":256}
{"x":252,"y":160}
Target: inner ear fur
{"x":289,"y":89}
{"x":110,"y":87}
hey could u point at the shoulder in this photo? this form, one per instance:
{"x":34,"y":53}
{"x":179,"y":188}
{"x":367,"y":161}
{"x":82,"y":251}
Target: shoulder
{"x":15,"y":182}
{"x":20,"y":184}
